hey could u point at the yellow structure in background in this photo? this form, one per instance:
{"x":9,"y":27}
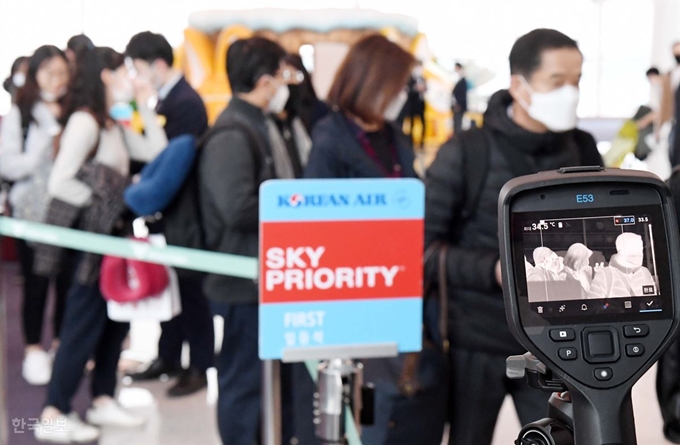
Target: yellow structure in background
{"x":202,"y":57}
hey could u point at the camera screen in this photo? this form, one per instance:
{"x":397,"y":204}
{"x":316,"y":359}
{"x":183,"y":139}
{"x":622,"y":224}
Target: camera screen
{"x":596,"y":264}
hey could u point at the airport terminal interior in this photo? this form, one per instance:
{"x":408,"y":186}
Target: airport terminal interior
{"x":154,"y":292}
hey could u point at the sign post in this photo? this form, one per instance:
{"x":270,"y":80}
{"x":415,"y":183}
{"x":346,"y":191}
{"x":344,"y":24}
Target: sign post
{"x":340,"y":269}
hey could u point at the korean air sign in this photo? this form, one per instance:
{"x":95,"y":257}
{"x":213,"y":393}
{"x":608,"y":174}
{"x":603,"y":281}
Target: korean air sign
{"x":332,"y":200}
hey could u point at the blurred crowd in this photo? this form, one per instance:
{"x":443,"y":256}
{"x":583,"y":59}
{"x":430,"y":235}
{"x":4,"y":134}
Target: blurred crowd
{"x":71,"y":154}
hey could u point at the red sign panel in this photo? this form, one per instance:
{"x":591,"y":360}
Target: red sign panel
{"x":340,"y":260}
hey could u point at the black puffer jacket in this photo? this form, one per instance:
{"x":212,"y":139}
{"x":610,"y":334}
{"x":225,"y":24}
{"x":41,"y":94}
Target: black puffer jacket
{"x":476,"y":311}
{"x":668,"y":374}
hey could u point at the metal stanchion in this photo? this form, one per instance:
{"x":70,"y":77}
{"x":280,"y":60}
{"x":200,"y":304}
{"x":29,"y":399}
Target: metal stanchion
{"x":271,"y":402}
{"x":4,"y":424}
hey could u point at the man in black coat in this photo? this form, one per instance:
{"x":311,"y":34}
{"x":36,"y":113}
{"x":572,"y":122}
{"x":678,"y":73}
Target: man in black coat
{"x":460,"y":99}
{"x":184,"y":113}
{"x":527,"y":129}
{"x":235,"y":160}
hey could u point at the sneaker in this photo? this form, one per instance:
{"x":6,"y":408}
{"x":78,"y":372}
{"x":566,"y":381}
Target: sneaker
{"x":112,"y":414}
{"x":65,"y":429}
{"x":37,"y":368}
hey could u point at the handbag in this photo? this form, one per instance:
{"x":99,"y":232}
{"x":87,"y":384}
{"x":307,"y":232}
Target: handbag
{"x":126,"y":280}
{"x":163,"y":300}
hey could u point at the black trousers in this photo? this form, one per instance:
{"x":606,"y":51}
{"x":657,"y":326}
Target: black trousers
{"x":478,"y":389}
{"x":194,"y":324}
{"x":458,"y":121}
{"x":36,"y":290}
{"x":240,"y":379}
{"x":87,"y":332}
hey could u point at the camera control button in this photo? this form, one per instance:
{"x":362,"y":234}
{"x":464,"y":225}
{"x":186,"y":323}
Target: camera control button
{"x":562,"y":334}
{"x":568,"y":353}
{"x":639,"y":330}
{"x":635,"y":350}
{"x":603,"y":374}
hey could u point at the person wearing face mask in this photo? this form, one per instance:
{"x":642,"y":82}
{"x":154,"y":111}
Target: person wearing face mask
{"x":527,"y":129}
{"x":578,"y":268}
{"x":358,"y":140}
{"x":86,"y":185}
{"x":625,"y":276}
{"x":27,"y":139}
{"x":303,"y":101}
{"x":235,"y":159}
{"x":184,"y":113}
{"x":287,"y":134}
{"x":549,"y":266}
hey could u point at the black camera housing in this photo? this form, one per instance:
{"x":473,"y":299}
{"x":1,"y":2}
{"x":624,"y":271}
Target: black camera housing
{"x":599,"y":347}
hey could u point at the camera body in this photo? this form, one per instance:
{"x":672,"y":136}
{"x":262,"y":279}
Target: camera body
{"x":590,"y":260}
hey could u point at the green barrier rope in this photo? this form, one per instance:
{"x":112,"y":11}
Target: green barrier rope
{"x":212,"y":262}
{"x":203,"y":261}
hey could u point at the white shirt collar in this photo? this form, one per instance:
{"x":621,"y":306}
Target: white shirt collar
{"x":168,"y":86}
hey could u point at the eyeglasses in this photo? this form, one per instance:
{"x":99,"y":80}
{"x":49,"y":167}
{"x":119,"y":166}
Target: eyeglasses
{"x":293,"y":77}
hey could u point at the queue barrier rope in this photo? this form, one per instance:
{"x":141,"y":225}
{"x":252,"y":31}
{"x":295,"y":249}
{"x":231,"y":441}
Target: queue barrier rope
{"x":199,"y":260}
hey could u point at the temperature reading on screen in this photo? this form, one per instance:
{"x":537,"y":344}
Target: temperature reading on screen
{"x":625,"y":220}
{"x":643,"y":219}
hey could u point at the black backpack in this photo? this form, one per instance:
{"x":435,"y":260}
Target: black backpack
{"x":182,"y":222}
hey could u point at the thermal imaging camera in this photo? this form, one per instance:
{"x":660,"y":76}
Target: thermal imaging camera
{"x":591,"y":281}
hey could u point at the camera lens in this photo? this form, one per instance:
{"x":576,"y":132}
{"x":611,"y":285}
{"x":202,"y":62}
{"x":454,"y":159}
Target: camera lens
{"x":535,"y":437}
{"x":545,"y":432}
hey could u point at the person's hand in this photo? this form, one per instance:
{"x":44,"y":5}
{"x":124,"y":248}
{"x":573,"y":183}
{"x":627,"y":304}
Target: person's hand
{"x":499,"y":273}
{"x":144,"y":91}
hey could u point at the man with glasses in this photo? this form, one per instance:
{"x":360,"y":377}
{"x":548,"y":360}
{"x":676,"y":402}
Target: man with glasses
{"x":150,"y":59}
{"x":235,"y":160}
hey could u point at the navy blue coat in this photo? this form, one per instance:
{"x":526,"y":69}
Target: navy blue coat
{"x":336,"y":153}
{"x":184,"y":111}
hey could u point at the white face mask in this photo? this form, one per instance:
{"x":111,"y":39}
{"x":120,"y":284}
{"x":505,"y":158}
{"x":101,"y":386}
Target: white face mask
{"x":393,"y":109}
{"x":278,"y":102}
{"x":19,"y":80}
{"x":555,"y":109}
{"x":123,"y":92}
{"x":49,"y":97}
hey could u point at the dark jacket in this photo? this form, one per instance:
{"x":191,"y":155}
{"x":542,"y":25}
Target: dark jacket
{"x":336,"y":153}
{"x":460,"y":94}
{"x":476,"y":310}
{"x":184,"y":111}
{"x":185,"y":114}
{"x":232,"y":165}
{"x":668,"y":373}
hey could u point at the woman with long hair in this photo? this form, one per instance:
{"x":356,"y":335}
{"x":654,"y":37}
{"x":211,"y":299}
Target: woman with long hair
{"x":92,"y":140}
{"x":26,"y":156}
{"x":359,"y":139}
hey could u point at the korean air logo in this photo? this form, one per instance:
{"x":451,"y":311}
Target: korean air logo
{"x":295,"y":200}
{"x":333,"y":200}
